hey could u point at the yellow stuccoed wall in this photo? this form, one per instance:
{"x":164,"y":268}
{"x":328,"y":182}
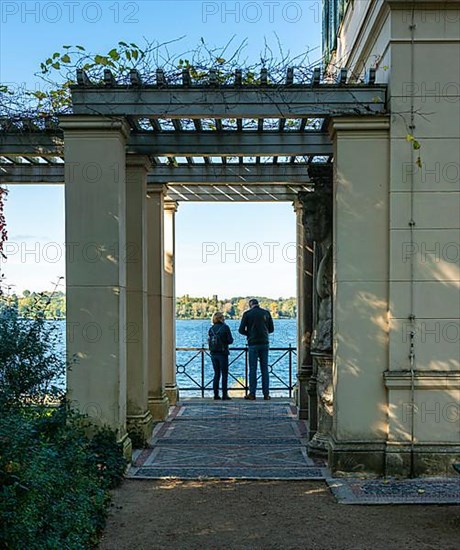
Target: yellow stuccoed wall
{"x":418,"y":54}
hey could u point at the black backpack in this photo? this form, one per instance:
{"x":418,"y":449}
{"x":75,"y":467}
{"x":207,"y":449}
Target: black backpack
{"x":215,"y":341}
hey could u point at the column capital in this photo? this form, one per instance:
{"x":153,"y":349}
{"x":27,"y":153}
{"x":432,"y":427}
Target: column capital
{"x":157,"y":188}
{"x":171,"y":205}
{"x":94,"y":123}
{"x":360,"y":126}
{"x":139,"y":161}
{"x":297,"y":206}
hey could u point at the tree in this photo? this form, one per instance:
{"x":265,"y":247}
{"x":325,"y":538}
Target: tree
{"x":3,"y":231}
{"x":241,"y":306}
{"x":228,"y":309}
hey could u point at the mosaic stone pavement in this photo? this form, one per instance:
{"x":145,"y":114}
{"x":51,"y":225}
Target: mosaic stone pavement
{"x":264,"y":440}
{"x":229,"y":440}
{"x":393,"y":491}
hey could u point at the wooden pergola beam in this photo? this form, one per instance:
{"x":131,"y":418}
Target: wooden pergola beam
{"x":234,"y":193}
{"x":185,"y":143}
{"x":265,"y":101}
{"x":190,"y":174}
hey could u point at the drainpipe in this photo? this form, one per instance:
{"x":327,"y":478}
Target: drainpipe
{"x":412,"y":317}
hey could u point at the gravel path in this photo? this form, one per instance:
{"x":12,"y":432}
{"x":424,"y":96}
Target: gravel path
{"x":151,"y":514}
{"x":265,"y":442}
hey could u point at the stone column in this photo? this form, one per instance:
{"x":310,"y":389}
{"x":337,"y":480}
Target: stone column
{"x":95,"y":208}
{"x":304,"y":311}
{"x":360,"y":293}
{"x":158,"y":401}
{"x":317,"y":218}
{"x":139,"y":416}
{"x":169,"y":304}
{"x":312,"y":379}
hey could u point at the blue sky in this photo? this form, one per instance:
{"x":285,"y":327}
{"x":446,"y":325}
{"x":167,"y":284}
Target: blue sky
{"x":31,"y":31}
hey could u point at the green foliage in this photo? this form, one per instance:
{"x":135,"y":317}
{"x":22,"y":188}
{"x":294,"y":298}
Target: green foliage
{"x":106,"y":457}
{"x":3,"y":231}
{"x":186,"y":306}
{"x":58,"y":71}
{"x":416,"y":146}
{"x":29,"y":362}
{"x":203,"y":308}
{"x":51,"y":304}
{"x":54,"y":478}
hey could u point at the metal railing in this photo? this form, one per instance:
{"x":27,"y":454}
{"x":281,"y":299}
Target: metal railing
{"x":195,"y":374}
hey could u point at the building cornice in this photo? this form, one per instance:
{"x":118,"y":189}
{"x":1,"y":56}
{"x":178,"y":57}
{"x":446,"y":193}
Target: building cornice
{"x":425,"y":4}
{"x":422,"y":379}
{"x":93,"y":123}
{"x":362,"y":126}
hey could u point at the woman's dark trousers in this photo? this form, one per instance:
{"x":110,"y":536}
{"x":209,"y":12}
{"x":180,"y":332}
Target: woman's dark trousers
{"x":220,"y":364}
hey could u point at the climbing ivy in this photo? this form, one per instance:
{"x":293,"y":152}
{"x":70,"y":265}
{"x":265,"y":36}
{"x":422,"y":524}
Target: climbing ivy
{"x":416,"y":146}
{"x":3,"y":230}
{"x":57,"y":72}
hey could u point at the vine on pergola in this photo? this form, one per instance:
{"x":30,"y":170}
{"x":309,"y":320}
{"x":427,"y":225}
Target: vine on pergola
{"x":3,"y":231}
{"x":33,"y":108}
{"x":58,"y":72}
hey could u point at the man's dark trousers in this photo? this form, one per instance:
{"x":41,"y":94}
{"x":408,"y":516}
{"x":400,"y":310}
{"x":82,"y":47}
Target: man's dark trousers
{"x":260,"y":352}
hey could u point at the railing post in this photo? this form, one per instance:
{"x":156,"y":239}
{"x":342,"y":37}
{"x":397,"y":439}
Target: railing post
{"x":202,"y":372}
{"x":200,"y":355}
{"x":246,"y":359}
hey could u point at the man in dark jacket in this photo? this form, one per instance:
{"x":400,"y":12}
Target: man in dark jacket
{"x":256,"y":324}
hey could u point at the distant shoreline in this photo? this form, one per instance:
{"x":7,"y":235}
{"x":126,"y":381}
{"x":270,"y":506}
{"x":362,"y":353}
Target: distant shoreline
{"x":177,"y":319}
{"x":188,"y":308}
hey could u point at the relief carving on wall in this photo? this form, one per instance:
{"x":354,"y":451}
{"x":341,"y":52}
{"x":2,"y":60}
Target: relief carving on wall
{"x":317,"y":220}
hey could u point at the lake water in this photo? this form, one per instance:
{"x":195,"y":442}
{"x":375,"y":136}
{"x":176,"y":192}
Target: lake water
{"x":195,"y":333}
{"x":195,"y":368}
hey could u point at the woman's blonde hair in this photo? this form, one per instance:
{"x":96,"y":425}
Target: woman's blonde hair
{"x":218,"y":317}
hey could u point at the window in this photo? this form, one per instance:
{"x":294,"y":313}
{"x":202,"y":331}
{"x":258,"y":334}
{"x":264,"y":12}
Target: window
{"x":333,"y":12}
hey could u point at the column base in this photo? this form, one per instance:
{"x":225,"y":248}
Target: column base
{"x":172,"y":393}
{"x":295,"y":395}
{"x":139,"y":428}
{"x":424,"y":460}
{"x":125,"y":442}
{"x":392,"y":459}
{"x":158,"y":407}
{"x":348,"y":458}
{"x":319,"y":445}
{"x":303,"y":379}
{"x":312,"y":406}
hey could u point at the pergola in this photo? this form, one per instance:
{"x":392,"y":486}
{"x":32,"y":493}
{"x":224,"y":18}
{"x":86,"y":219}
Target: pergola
{"x":207,"y":142}
{"x":129,"y":152}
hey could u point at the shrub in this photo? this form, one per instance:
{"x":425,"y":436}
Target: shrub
{"x":54,"y":479}
{"x":30,"y":363}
